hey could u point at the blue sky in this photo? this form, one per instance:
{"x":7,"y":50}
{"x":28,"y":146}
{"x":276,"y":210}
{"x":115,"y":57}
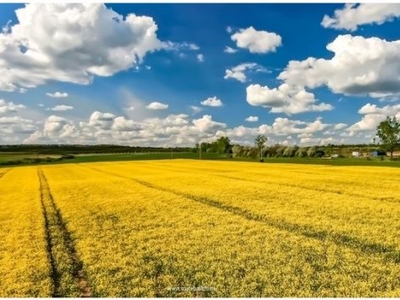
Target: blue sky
{"x":178,"y":74}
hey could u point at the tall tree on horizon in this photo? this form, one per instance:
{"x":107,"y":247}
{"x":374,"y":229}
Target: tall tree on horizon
{"x":260,"y":141}
{"x":388,"y":132}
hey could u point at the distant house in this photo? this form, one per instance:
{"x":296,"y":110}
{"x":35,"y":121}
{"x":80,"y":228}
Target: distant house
{"x":395,"y":153}
{"x":355,"y":154}
{"x":335,"y":155}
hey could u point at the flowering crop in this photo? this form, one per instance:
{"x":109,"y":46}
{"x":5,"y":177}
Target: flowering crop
{"x":202,"y":228}
{"x":24,"y":267}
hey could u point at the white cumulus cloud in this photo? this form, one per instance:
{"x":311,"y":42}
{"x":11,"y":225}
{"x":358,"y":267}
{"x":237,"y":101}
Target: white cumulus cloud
{"x":72,"y":42}
{"x":212,"y":101}
{"x":360,"y":66}
{"x":354,"y":15}
{"x":257,"y":41}
{"x":157,"y":106}
{"x":200,"y":57}
{"x":206,"y":124}
{"x":174,"y":129}
{"x":372,"y":116}
{"x":57,"y":95}
{"x":123,"y":124}
{"x":238,"y":72}
{"x":284,"y":126}
{"x":101,"y":120}
{"x":62,"y":108}
{"x":184,"y":46}
{"x":374,"y":109}
{"x":368,"y":122}
{"x":339,"y":126}
{"x":284,"y":99}
{"x":196,"y":109}
{"x":230,"y":50}
{"x":10,"y":107}
{"x":252,"y":119}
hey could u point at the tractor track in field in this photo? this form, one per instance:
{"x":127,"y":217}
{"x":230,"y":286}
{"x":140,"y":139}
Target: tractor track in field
{"x":60,"y":245}
{"x":390,"y":253}
{"x":2,"y":174}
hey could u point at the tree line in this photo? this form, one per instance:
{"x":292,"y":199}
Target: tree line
{"x":224,"y":146}
{"x":87,"y":149}
{"x":388,"y":132}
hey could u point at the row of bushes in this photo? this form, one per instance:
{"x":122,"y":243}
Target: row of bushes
{"x":274,"y":151}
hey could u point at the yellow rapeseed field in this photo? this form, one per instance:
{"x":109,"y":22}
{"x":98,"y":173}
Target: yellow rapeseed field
{"x":24,"y":265}
{"x":182,"y":228}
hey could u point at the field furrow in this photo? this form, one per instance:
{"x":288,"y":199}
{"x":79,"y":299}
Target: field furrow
{"x":3,"y":173}
{"x":67,"y":273}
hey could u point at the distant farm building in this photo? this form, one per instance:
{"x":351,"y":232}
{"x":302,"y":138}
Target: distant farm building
{"x":395,"y":153}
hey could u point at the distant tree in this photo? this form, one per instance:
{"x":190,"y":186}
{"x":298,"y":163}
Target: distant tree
{"x":264,"y":151}
{"x":253,"y":152}
{"x":294,"y":150}
{"x":223,"y":144}
{"x":213,"y":147}
{"x":237,"y":151}
{"x":301,"y":152}
{"x":287,"y":152}
{"x":279,"y":151}
{"x":388,"y":132}
{"x":271,"y":151}
{"x":319,"y":152}
{"x":290,"y":151}
{"x":311,"y":151}
{"x":260,"y":141}
{"x":328,"y":149}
